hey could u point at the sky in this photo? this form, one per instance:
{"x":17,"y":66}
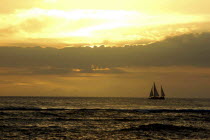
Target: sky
{"x":169,"y":44}
{"x":61,"y":23}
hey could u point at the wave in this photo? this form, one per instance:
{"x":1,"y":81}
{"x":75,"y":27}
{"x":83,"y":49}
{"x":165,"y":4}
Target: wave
{"x":175,"y":110}
{"x":120,"y":110}
{"x":164,"y":127}
{"x":31,"y":108}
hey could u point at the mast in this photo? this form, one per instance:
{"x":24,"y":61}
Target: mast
{"x":162,"y":92}
{"x":151,"y":93}
{"x":155,"y":91}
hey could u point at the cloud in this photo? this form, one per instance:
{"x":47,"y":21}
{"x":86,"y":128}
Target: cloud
{"x":8,"y":31}
{"x":62,"y":71}
{"x":10,"y":6}
{"x":187,"y":49}
{"x":89,"y":25}
{"x":192,"y":7}
{"x":179,"y":81}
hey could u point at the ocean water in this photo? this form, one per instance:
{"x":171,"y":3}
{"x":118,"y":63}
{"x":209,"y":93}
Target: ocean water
{"x":103,"y":118}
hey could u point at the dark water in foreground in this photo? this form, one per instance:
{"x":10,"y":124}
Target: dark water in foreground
{"x":103,"y":118}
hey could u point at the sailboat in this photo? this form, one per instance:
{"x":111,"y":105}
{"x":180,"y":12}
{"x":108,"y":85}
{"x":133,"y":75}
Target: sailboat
{"x":155,"y":95}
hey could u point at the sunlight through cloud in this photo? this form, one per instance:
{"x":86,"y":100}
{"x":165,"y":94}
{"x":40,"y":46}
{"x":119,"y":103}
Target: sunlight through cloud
{"x":50,"y":1}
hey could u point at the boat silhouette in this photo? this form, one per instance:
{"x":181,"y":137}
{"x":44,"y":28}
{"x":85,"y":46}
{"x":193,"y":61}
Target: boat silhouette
{"x":155,"y":95}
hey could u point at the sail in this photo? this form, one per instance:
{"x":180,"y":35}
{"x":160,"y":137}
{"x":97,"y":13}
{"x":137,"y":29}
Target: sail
{"x":151,"y":93}
{"x":162,"y":92}
{"x":155,"y":91}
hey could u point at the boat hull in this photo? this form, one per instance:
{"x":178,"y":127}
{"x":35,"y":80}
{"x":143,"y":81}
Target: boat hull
{"x":157,"y":98}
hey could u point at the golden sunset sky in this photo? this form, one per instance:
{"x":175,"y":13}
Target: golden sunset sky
{"x":175,"y":38}
{"x":54,"y":22}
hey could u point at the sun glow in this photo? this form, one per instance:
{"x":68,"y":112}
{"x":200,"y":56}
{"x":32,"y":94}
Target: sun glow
{"x":51,"y":20}
{"x":50,"y":1}
{"x":77,"y":23}
{"x":80,"y":14}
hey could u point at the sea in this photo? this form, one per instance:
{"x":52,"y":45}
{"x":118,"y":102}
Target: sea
{"x":103,"y":118}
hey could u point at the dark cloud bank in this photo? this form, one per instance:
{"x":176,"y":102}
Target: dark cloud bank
{"x":184,"y":50}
